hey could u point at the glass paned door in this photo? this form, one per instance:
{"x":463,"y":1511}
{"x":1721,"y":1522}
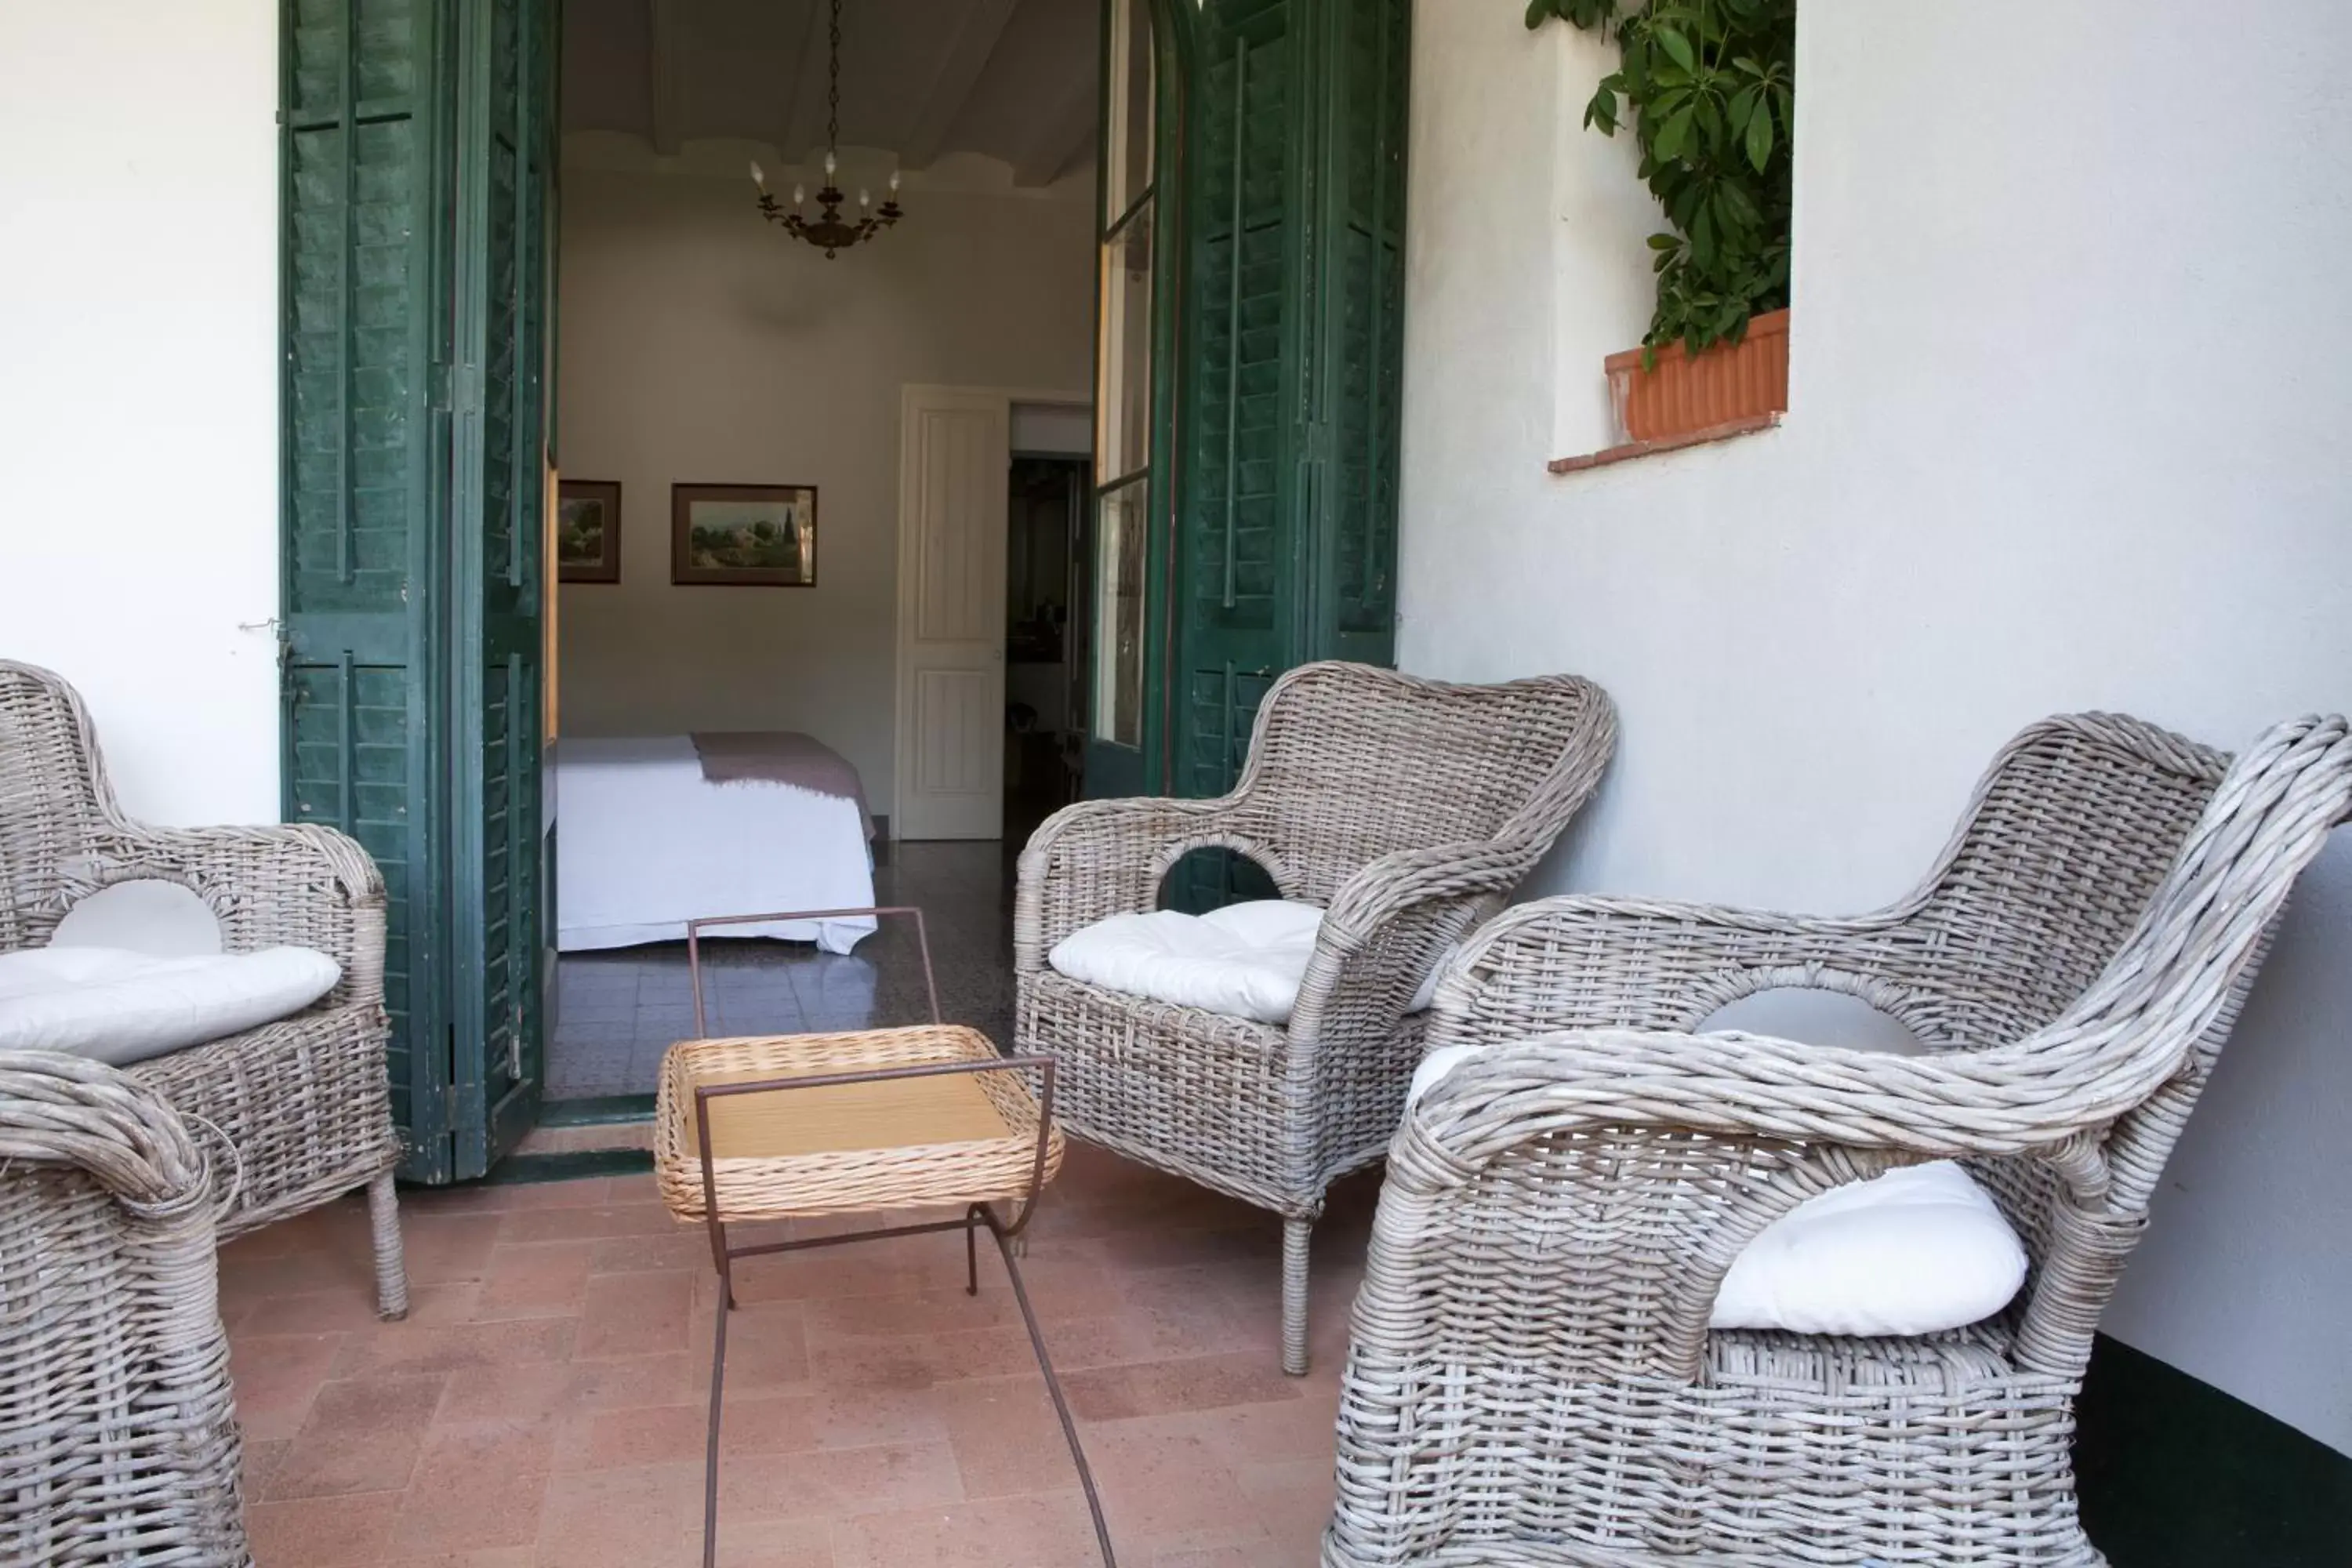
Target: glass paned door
{"x":1126,"y":259}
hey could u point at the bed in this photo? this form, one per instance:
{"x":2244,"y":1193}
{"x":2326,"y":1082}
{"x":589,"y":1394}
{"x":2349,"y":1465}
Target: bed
{"x":655,"y":831}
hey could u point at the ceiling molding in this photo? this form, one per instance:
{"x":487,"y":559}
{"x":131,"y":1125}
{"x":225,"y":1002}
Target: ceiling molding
{"x":665,"y":76}
{"x":1066,"y":139}
{"x":803,"y":121}
{"x":975,"y":41}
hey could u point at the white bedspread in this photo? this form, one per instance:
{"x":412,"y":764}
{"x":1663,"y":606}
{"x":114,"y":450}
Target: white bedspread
{"x":644,"y":844}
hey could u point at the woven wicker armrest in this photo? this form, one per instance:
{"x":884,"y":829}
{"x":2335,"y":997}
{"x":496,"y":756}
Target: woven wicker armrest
{"x":1589,"y":962}
{"x":289,"y":885}
{"x":2030,"y":1095}
{"x":65,"y":1110}
{"x":1102,"y":858}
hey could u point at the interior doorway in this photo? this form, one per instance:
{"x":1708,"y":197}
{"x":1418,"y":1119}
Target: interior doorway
{"x":1046,"y":639}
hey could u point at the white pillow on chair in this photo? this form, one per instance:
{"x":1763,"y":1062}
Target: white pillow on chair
{"x":1917,"y":1250}
{"x":1244,"y":960}
{"x":114,"y":1005}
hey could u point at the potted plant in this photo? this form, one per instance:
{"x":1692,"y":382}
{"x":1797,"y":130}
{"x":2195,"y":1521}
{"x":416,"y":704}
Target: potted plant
{"x":1708,"y":88}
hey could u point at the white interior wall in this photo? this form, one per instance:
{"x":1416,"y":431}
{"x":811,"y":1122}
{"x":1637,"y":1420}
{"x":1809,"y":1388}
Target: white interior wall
{"x":138,"y":386}
{"x":2072,"y":362}
{"x":702,"y":345}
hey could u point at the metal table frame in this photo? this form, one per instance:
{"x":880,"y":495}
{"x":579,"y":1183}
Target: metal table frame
{"x":979,"y":1216}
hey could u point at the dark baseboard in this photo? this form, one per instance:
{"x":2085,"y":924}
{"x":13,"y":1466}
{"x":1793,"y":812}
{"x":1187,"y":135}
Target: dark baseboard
{"x":571,"y":1165}
{"x":2174,"y":1473}
{"x":601,"y":1110}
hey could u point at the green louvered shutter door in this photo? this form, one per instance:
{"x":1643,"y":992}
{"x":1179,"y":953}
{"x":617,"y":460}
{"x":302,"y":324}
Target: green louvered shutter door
{"x":360,"y":548}
{"x":505,"y":155}
{"x":1287,"y":517}
{"x":1360,"y":372}
{"x":417,"y":159}
{"x":1238,"y":592}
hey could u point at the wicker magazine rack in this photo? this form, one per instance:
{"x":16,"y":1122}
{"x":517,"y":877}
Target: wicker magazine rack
{"x":786,"y":1127}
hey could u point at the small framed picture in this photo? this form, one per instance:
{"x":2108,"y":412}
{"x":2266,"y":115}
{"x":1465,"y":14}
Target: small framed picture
{"x":588,"y":531}
{"x":743,"y":536}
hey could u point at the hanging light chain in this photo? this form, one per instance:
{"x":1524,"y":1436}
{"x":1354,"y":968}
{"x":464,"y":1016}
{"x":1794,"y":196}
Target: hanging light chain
{"x":830,"y":231}
{"x":832,"y":91}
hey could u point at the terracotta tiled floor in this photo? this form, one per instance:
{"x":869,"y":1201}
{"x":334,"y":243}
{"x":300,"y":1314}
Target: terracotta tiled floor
{"x":544,"y":1402}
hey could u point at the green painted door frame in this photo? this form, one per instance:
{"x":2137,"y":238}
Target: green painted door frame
{"x":417,"y":166}
{"x":1277,"y":359}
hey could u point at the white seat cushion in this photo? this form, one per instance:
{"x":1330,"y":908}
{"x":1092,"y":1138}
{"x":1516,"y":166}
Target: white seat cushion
{"x":119,"y":1007}
{"x":1915,"y":1251}
{"x":1244,"y":960}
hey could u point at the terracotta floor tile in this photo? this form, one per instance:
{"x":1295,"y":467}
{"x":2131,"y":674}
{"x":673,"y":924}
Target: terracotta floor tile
{"x":620,"y":1519}
{"x":825,"y":1483}
{"x":349,"y":1309}
{"x":1048,"y":1530}
{"x":1160,"y":1481}
{"x":362,"y":1435}
{"x":468,"y":1347}
{"x":1164,"y":1387}
{"x":1292,"y":1500}
{"x":1006,"y":1437}
{"x":276,"y":1377}
{"x":623,"y":1439}
{"x":603,"y":1221}
{"x":768,"y":1543}
{"x":767,"y":1346}
{"x":321,"y":1533}
{"x":477,"y":1487}
{"x":445,"y":1246}
{"x":546,"y":1401}
{"x":535,"y":1279}
{"x":535,"y":1390}
{"x":633,"y":1315}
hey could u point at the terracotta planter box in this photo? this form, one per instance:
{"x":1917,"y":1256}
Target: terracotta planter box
{"x":1722,"y":385}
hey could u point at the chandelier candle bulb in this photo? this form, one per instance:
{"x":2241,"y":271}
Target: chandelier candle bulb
{"x":829,"y":231}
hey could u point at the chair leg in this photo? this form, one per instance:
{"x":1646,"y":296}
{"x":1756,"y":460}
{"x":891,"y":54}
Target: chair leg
{"x":1295,"y":1233}
{"x":390,"y":1271}
{"x":718,"y":1386}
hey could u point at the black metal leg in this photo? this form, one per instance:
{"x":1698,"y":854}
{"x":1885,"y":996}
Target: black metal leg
{"x":1053,"y":1387}
{"x":971,"y":1251}
{"x":718,"y":1386}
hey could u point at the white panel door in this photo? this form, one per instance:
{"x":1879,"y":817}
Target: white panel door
{"x":955,"y":458}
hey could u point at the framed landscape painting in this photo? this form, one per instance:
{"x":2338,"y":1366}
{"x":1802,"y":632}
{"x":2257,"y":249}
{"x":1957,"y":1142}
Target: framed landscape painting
{"x":588,"y":531}
{"x":743,"y":536}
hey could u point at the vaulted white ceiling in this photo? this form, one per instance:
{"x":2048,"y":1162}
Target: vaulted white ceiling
{"x":1012,"y":80}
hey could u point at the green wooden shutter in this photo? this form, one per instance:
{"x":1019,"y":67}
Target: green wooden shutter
{"x":362,"y":255}
{"x":417,"y":142}
{"x":1286,"y":511}
{"x":504,"y":135}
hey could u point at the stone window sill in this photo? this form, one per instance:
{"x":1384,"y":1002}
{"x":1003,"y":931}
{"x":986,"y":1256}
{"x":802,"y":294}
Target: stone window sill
{"x":1751,"y":425}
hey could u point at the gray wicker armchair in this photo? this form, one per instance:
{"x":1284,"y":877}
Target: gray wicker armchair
{"x":1408,"y":809}
{"x":1532,"y":1378}
{"x":295,"y":1113}
{"x":118,"y":1445}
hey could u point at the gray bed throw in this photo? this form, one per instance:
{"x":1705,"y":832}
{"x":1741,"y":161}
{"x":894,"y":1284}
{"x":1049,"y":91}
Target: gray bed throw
{"x":780,"y":756}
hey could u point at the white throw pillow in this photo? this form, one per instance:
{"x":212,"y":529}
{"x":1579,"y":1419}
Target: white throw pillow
{"x":1244,"y":960}
{"x":114,"y":1005}
{"x":1915,"y":1251}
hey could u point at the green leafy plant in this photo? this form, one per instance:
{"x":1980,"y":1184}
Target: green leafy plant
{"x":1709,"y":88}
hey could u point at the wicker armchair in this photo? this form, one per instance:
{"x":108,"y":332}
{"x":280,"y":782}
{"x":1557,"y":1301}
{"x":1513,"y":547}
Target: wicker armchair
{"x":117,"y":1440}
{"x":1532,"y":1379}
{"x":1410,"y":810}
{"x":292,"y":1114}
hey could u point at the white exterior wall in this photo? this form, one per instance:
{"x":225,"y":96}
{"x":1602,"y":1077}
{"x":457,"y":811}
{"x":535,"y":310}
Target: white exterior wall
{"x":704,"y":346}
{"x":138,"y":385}
{"x":2071,"y":369}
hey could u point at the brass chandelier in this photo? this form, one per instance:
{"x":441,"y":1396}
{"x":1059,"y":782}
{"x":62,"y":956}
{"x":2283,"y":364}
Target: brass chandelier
{"x":829,"y":231}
